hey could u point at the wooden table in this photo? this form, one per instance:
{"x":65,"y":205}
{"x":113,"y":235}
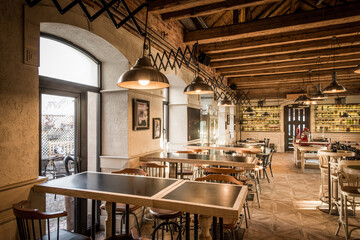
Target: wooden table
{"x":304,"y":149}
{"x":112,"y":188}
{"x":222,"y":147}
{"x":218,"y":200}
{"x":207,"y":199}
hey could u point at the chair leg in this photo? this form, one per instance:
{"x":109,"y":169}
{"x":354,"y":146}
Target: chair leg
{"x":346,"y":219}
{"x":271,"y":171}
{"x":267,"y":177}
{"x":247,"y":207}
{"x":258,"y":179}
{"x":246,"y":223}
{"x":137,"y":222}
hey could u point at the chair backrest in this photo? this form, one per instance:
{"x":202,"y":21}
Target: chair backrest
{"x":323,"y":161}
{"x":30,"y":222}
{"x":132,"y":171}
{"x":270,"y":156}
{"x":222,"y":170}
{"x":154,"y":169}
{"x":219,"y":179}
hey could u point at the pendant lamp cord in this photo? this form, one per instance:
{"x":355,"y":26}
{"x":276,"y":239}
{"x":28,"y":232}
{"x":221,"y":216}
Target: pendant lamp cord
{"x":145,"y":32}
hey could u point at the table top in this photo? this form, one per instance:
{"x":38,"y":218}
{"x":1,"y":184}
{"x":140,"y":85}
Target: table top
{"x":222,"y":160}
{"x":213,"y":199}
{"x":340,"y":153}
{"x":311,"y":148}
{"x":222,"y":147}
{"x":136,"y":190}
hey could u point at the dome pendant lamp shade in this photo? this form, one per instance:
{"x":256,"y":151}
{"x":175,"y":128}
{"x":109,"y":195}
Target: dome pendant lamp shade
{"x":249,"y":110}
{"x":302,"y":98}
{"x":357,"y":69}
{"x":319,"y":95}
{"x":225,"y":102}
{"x":265,"y":114}
{"x":334,"y":86}
{"x":198,"y":86}
{"x":143,"y":76}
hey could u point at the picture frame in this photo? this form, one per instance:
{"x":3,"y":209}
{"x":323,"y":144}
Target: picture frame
{"x":141,"y":114}
{"x":156,"y":128}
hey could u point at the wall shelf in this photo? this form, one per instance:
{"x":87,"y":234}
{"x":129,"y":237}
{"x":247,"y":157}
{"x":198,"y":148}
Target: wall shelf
{"x":259,"y":123}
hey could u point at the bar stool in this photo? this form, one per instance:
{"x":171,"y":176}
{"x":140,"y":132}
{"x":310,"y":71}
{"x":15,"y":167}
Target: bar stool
{"x":349,"y":182}
{"x":121,"y":207}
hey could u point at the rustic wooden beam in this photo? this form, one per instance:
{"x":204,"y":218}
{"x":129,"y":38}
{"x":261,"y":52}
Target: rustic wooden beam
{"x":329,"y":65}
{"x":212,"y":8}
{"x":340,"y":51}
{"x":276,"y":39}
{"x":292,"y":76}
{"x":312,"y":62}
{"x":285,"y":48}
{"x":235,"y":16}
{"x":305,"y":20}
{"x":162,"y":6}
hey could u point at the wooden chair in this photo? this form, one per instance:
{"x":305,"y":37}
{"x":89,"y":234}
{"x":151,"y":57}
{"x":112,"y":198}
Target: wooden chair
{"x":349,"y":183}
{"x":187,"y":169}
{"x":230,"y":224}
{"x":34,"y":224}
{"x":154,"y":169}
{"x":157,"y":170}
{"x":121,"y":207}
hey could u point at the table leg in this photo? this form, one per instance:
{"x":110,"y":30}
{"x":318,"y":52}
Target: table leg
{"x":329,"y":186}
{"x":196,"y":225}
{"x":222,"y":228}
{"x":303,"y":161}
{"x":93,"y":227}
{"x":181,"y":171}
{"x":187,"y":226}
{"x":205,"y":223}
{"x":108,"y":220}
{"x":214,"y":228}
{"x":127,"y":225}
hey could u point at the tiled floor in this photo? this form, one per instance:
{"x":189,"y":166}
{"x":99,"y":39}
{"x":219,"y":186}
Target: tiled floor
{"x":288,"y":207}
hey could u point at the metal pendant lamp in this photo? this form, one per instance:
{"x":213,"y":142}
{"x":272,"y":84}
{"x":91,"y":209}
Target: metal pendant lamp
{"x":357,"y":69}
{"x":198,"y":86}
{"x":334,"y":86}
{"x":319,"y":95}
{"x":225,"y":102}
{"x":265,"y":114}
{"x":302,"y":98}
{"x":249,"y":110}
{"x":143,"y":75}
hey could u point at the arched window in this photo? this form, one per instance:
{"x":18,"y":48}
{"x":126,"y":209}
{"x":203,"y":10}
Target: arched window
{"x":61,"y":60}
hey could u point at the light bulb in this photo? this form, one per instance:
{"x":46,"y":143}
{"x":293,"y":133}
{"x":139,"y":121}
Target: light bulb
{"x":198,"y":91}
{"x":143,"y":82}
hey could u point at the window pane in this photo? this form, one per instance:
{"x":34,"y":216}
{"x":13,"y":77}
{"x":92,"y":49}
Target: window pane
{"x":58,"y":60}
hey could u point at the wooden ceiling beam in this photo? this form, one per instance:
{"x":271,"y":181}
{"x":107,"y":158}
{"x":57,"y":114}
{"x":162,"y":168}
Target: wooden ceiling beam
{"x":213,"y":8}
{"x":285,"y":48}
{"x":289,"y":76}
{"x":304,"y":20}
{"x":162,"y":6}
{"x":312,"y":62}
{"x":304,"y":68}
{"x":276,"y":39}
{"x":340,"y":51}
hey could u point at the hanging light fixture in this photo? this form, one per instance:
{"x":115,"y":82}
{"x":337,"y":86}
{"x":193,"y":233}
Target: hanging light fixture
{"x":265,"y":114}
{"x":345,"y":115}
{"x":249,"y":110}
{"x":143,"y":75}
{"x":198,"y":86}
{"x":319,"y":95}
{"x":225,"y":102}
{"x":334,"y":86}
{"x":357,"y":69}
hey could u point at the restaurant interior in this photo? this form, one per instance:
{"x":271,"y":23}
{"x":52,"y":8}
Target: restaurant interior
{"x":180,"y":119}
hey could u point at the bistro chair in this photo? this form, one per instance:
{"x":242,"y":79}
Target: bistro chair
{"x":230,"y":225}
{"x":324,"y":165}
{"x":121,"y":207}
{"x":157,"y":214}
{"x":349,"y":184}
{"x":34,"y":224}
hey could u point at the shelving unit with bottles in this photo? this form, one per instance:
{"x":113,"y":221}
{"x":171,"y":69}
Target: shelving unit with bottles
{"x":328,"y":118}
{"x":260,"y":123}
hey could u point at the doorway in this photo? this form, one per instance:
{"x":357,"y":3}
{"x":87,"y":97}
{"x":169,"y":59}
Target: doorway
{"x":294,"y":117}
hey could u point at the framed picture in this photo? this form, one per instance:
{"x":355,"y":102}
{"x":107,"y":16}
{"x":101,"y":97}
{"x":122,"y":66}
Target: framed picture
{"x":156,"y":128}
{"x":141,"y":113}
